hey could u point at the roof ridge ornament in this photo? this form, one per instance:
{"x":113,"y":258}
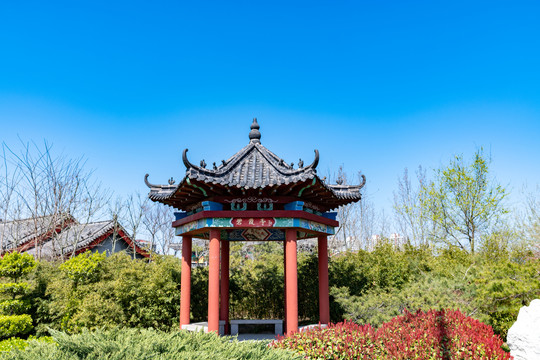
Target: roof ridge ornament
{"x":255,"y":134}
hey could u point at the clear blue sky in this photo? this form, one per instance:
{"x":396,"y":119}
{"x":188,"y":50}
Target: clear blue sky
{"x":375,"y":86}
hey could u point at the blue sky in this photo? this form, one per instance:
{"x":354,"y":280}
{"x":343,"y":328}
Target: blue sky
{"x":375,"y":86}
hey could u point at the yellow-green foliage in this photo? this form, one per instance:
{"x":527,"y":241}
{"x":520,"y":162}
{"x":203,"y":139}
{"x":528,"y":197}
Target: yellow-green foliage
{"x":369,"y":287}
{"x":17,"y":343}
{"x":256,"y":286}
{"x":15,"y":324}
{"x":15,"y":265}
{"x":83,"y":268}
{"x":14,"y":289}
{"x":14,"y":321}
{"x":15,"y":306}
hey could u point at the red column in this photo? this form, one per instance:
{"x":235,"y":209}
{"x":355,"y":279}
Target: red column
{"x":291,"y":280}
{"x":324,"y":299}
{"x":185,"y":282}
{"x":224,"y":305}
{"x":285,"y":285}
{"x":213,"y":282}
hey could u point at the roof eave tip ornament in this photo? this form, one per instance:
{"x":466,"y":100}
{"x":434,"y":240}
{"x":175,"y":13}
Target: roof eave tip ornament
{"x":255,"y":134}
{"x":315,"y":161}
{"x":147,"y":183}
{"x":186,"y":161}
{"x":363,"y":182}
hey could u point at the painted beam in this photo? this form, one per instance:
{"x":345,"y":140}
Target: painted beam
{"x":257,"y":214}
{"x":256,"y":223}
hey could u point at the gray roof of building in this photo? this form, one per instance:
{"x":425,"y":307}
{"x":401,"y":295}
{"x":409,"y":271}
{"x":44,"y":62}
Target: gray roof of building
{"x":19,"y":232}
{"x":76,"y":237}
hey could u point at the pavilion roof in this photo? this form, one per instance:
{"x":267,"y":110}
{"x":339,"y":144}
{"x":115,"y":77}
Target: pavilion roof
{"x":253,"y":169}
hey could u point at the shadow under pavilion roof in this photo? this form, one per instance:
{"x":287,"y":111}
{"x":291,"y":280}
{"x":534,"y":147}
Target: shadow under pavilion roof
{"x":253,"y":171}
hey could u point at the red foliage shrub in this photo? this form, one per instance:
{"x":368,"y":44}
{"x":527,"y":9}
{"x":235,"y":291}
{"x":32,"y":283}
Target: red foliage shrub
{"x":445,"y":334}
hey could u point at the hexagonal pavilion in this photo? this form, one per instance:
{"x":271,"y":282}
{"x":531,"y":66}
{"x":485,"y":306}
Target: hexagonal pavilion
{"x":253,"y":196}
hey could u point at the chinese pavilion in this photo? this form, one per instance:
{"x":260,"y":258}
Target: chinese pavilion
{"x":253,"y":196}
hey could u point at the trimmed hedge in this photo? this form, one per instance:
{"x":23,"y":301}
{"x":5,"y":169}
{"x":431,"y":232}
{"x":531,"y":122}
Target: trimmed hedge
{"x":14,"y":289}
{"x":15,"y":265}
{"x":15,"y":324}
{"x":14,"y":307}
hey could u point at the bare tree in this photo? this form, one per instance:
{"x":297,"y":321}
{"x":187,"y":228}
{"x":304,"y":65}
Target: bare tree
{"x":530,"y":223}
{"x":356,"y":220}
{"x":157,"y":220}
{"x":133,"y":214}
{"x":51,"y":190}
{"x":8,"y":203}
{"x":408,"y":212}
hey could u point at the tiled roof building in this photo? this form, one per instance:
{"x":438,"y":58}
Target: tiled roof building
{"x":62,"y":237}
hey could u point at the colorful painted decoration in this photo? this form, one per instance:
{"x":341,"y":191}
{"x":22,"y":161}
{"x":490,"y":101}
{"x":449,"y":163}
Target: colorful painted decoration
{"x":227,"y":222}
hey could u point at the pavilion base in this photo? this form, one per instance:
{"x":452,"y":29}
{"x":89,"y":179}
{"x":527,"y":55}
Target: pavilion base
{"x":311,"y":326}
{"x":203,"y":326}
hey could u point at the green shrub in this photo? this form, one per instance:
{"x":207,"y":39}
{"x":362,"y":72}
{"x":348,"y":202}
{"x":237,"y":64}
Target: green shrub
{"x":17,"y":343}
{"x":130,"y":293}
{"x":12,"y":321}
{"x":11,"y":307}
{"x":15,"y":265}
{"x":12,"y":343}
{"x":428,"y":292}
{"x":83,"y":268}
{"x":502,"y":288}
{"x":256,"y":286}
{"x":199,"y":293}
{"x":14,"y":289}
{"x":368,"y":287}
{"x":11,"y":325}
{"x":146,"y":344}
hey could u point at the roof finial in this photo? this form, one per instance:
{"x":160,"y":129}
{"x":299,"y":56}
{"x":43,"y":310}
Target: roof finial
{"x":255,"y":134}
